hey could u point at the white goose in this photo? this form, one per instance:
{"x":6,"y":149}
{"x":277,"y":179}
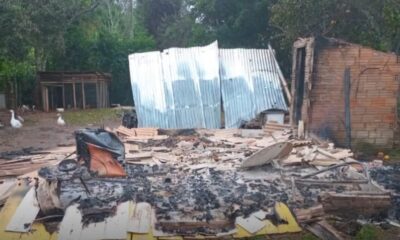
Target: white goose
{"x":15,"y":123}
{"x":20,"y":118}
{"x":60,"y":120}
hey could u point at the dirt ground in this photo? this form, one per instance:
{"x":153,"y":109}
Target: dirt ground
{"x":40,"y":129}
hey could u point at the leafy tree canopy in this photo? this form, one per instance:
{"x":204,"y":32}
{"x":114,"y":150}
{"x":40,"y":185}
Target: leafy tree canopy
{"x":37,"y":35}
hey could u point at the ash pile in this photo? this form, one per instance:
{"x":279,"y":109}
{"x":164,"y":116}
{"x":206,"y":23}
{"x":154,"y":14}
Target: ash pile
{"x":207,"y":181}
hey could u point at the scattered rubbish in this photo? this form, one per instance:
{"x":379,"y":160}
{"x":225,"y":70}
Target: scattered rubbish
{"x":200,"y":181}
{"x":102,"y":152}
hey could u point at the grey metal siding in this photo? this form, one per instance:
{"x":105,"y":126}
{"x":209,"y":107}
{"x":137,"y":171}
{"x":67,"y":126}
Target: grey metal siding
{"x":181,"y":87}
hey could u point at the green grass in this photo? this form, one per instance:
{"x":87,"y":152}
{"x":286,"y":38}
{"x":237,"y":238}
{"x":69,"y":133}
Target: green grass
{"x":91,"y":116}
{"x":394,"y":154}
{"x":368,"y":232}
{"x":304,"y":235}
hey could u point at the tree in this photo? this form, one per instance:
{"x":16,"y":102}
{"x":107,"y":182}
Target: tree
{"x":374,"y":23}
{"x":155,"y":15}
{"x":235,"y":23}
{"x":102,"y":42}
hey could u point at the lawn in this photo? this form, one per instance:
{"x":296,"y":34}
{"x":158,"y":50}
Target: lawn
{"x":92,"y":116}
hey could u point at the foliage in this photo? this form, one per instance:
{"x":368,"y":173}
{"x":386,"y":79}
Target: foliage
{"x":100,"y":34}
{"x":374,"y":22}
{"x":367,"y":232}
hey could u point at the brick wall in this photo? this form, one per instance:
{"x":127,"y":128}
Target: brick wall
{"x":373,"y":98}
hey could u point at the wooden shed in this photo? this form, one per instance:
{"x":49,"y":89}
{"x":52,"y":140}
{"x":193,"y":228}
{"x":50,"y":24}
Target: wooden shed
{"x":74,"y":90}
{"x":346,"y":92}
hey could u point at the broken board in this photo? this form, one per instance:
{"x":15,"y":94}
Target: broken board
{"x":266,"y":155}
{"x":251,"y":224}
{"x":71,"y":225}
{"x":115,"y":226}
{"x":6,"y":189}
{"x":25,"y":213}
{"x":140,"y":219}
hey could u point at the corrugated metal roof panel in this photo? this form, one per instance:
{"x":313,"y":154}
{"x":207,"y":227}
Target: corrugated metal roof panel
{"x":148,"y":89}
{"x":178,"y":88}
{"x":181,"y":87}
{"x":250,"y":84}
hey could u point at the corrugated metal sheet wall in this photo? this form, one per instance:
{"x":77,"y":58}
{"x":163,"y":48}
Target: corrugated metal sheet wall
{"x":250,"y":84}
{"x":181,"y":87}
{"x":178,"y":88}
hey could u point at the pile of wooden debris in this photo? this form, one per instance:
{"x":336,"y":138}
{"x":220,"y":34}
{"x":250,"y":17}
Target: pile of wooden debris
{"x":211,"y":182}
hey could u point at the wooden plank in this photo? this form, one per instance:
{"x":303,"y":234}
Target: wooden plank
{"x":354,"y":204}
{"x":6,"y":189}
{"x":8,"y":162}
{"x":347,"y":120}
{"x":165,"y":157}
{"x":280,"y":74}
{"x":323,"y":230}
{"x":25,"y":213}
{"x":125,"y":131}
{"x":140,"y":218}
{"x":20,"y":171}
{"x":83,"y":95}
{"x":9,"y":208}
{"x":266,"y":155}
{"x":250,"y":224}
{"x":93,"y":231}
{"x":136,"y":138}
{"x":63,"y":95}
{"x":73,"y":89}
{"x":309,"y":214}
{"x":115,"y":226}
{"x":292,"y":159}
{"x":146,"y":132}
{"x":71,"y":225}
{"x":138,"y":156}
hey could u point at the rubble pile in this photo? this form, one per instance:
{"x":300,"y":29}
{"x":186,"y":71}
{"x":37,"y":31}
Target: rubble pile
{"x":202,"y":177}
{"x":389,"y":177}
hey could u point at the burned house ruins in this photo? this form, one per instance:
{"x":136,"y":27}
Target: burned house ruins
{"x":346,"y":92}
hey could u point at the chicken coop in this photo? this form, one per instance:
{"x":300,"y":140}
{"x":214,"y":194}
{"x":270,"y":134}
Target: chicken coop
{"x":74,"y":90}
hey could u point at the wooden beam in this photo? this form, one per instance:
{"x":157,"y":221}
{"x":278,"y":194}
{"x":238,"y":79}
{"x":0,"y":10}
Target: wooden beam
{"x":83,"y":96}
{"x":281,"y":77}
{"x":98,"y":103}
{"x":63,"y":95}
{"x":347,"y":120}
{"x":74,"y":93}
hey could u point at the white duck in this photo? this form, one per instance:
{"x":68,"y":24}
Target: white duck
{"x":60,"y":120}
{"x":15,"y":123}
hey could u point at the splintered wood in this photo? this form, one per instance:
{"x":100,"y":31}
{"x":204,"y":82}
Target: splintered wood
{"x":28,"y":162}
{"x":217,"y":182}
{"x":137,"y":133}
{"x":315,"y":155}
{"x":25,"y":213}
{"x":273,"y":127}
